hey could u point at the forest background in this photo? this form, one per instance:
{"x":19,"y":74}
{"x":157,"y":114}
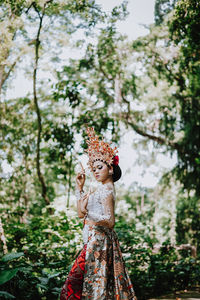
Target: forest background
{"x":149,"y":86}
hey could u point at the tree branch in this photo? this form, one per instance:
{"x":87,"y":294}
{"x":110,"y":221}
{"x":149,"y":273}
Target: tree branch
{"x":4,"y":75}
{"x":32,"y":4}
{"x":142,"y":132}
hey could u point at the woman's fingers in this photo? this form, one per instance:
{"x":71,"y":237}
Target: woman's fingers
{"x":82,"y":173}
{"x":80,"y":179}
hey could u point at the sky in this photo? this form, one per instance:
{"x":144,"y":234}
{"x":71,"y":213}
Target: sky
{"x":141,"y":14}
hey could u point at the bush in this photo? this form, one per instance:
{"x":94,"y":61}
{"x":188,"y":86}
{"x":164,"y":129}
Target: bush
{"x":49,"y":245}
{"x":46,"y":247}
{"x":155,"y":273}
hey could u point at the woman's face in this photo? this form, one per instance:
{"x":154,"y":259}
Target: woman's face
{"x":100,"y":171}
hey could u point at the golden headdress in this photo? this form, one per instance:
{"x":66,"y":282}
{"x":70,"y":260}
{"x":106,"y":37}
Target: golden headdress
{"x":99,"y":150}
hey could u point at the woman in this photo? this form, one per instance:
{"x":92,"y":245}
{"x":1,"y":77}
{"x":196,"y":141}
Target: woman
{"x":99,"y":272}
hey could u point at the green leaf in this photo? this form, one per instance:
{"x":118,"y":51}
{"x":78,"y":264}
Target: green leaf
{"x":11,"y":256}
{"x":42,"y":286}
{"x":6,"y":295}
{"x":6,"y":275}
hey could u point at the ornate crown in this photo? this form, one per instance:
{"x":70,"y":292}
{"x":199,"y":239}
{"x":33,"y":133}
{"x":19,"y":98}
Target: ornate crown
{"x":100,"y":150}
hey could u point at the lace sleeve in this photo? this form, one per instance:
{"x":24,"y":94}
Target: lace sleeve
{"x":79,"y":194}
{"x":105,"y":217}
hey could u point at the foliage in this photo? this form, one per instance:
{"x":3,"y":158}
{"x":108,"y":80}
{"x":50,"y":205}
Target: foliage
{"x":154,"y":271}
{"x":184,"y":28}
{"x":176,"y":108}
{"x":162,"y":9}
{"x":168,"y":88}
{"x":152,"y":250}
{"x":49,"y":244}
{"x":187,"y":223}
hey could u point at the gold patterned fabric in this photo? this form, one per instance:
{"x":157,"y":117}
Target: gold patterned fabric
{"x":105,"y":276}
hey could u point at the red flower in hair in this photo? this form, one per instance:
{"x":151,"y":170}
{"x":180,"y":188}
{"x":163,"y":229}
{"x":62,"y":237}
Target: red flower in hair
{"x":116,"y":160}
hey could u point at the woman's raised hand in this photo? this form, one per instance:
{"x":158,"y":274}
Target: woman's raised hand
{"x":80,"y":178}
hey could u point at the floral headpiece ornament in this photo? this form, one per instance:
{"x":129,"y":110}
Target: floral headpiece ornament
{"x":100,"y":150}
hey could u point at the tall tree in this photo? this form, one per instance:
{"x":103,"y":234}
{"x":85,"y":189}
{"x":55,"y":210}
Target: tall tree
{"x":170,"y":61}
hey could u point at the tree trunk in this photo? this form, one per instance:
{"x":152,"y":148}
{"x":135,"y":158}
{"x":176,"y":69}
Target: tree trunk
{"x":37,"y":45}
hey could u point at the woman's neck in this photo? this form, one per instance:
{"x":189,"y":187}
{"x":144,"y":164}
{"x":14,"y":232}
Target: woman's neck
{"x":108,"y":180}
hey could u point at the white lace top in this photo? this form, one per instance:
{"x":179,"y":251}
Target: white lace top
{"x":97,"y":205}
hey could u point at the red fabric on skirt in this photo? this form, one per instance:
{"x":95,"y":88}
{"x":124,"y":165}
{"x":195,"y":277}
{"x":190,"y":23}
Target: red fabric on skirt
{"x":72,"y":289}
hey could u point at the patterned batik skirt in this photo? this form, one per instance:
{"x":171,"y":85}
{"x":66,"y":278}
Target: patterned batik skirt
{"x":99,"y":271}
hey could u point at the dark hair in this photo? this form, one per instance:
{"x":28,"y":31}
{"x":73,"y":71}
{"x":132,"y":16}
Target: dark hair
{"x":117,"y":173}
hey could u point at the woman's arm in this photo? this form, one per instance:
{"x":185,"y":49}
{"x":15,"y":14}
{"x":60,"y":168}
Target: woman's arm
{"x":81,"y":201}
{"x":80,"y":213}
